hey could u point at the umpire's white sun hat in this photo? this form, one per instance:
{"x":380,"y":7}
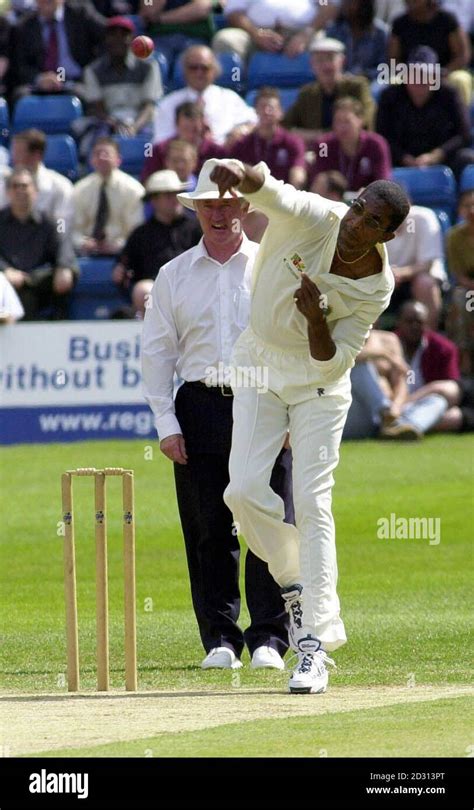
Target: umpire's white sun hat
{"x":206,"y":189}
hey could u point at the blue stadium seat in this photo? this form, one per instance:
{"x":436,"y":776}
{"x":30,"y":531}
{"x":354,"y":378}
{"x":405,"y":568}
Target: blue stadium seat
{"x":279,"y":70}
{"x":95,"y":296}
{"x":433,"y":186}
{"x":288,"y":96}
{"x":133,"y":153}
{"x":52,"y":114}
{"x":160,"y":57}
{"x":61,"y":155}
{"x":220,"y":21}
{"x":443,"y":219}
{"x":232,"y":76}
{"x":138,"y":23}
{"x":467,"y":179}
{"x":4,"y":123}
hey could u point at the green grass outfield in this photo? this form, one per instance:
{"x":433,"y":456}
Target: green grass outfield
{"x":405,"y":603}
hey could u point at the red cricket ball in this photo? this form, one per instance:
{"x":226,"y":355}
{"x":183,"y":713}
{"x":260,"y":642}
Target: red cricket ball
{"x":142,"y":46}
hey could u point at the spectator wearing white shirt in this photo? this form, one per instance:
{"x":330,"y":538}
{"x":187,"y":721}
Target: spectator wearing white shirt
{"x":416,"y":257}
{"x":11,"y":308}
{"x":223,"y":108}
{"x":199,"y":307}
{"x":108,"y":203}
{"x":54,"y":190}
{"x":273,"y":26}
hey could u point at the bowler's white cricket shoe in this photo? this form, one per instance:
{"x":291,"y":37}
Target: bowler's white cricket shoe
{"x":267,"y":658}
{"x":221,"y":658}
{"x":292,"y":599}
{"x":310,"y":675}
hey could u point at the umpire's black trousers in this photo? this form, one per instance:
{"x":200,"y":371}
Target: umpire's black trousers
{"x":212,"y":546}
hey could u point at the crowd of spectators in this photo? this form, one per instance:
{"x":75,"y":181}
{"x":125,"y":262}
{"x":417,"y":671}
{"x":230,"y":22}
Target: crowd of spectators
{"x":342,"y":130}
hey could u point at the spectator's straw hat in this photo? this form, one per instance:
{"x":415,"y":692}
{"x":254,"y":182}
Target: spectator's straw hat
{"x":206,"y":189}
{"x":322,"y":44}
{"x":162,"y":182}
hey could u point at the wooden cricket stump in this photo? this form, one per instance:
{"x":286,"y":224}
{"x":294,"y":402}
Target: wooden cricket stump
{"x":102,"y":605}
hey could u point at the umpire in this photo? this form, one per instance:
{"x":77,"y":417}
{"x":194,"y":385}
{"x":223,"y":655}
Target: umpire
{"x":199,"y":306}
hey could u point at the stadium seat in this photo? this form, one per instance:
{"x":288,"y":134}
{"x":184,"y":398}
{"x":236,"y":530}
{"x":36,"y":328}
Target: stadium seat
{"x":4,"y":123}
{"x":138,"y":23}
{"x":61,"y":155}
{"x":52,"y":114}
{"x":467,"y":179}
{"x":220,"y":21}
{"x":133,"y":153}
{"x":433,"y":186}
{"x":288,"y":97}
{"x":95,"y":296}
{"x":232,"y":76}
{"x":160,"y":57}
{"x":278,"y":70}
{"x":443,"y":219}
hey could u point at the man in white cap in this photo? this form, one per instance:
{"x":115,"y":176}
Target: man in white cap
{"x":166,"y":234}
{"x":312,"y":111}
{"x":199,"y":306}
{"x":321,"y":280}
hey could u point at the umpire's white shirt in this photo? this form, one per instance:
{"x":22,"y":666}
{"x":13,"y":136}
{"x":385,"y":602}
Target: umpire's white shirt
{"x":198,"y":309}
{"x":306,"y":226}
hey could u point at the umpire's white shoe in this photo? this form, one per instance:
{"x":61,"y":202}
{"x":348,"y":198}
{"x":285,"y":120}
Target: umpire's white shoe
{"x":310,"y":675}
{"x":267,"y":658}
{"x":221,"y":658}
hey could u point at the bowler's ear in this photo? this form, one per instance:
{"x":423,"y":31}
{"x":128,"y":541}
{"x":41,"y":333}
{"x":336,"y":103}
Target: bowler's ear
{"x":387,"y":237}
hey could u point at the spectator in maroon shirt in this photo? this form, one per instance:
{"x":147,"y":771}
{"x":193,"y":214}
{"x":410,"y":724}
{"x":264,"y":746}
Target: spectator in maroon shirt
{"x":360,"y":156}
{"x":190,"y":127}
{"x":282,"y":151}
{"x":433,"y":378}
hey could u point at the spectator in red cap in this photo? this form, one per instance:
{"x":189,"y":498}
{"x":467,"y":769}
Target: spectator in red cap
{"x":120,"y":90}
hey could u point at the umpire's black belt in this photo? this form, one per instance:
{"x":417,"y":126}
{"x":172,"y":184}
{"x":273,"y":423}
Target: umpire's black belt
{"x":221,"y":390}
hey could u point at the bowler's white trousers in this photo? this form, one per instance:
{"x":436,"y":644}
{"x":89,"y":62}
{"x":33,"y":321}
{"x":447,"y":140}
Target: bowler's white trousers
{"x":315,"y":414}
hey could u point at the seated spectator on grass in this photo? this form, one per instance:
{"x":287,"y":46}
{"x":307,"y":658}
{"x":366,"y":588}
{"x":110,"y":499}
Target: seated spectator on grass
{"x":426,"y":24}
{"x":460,"y":255}
{"x":379,"y":388}
{"x":174,"y":25}
{"x":364,"y":36}
{"x":270,"y":26}
{"x":165,"y":235}
{"x":331,"y":184}
{"x":361,"y":156}
{"x":311,"y":114}
{"x":223,"y":108}
{"x":416,"y":258}
{"x":61,"y":35}
{"x":434,"y":392}
{"x":11,"y":308}
{"x":283,"y":152}
{"x":35,"y":258}
{"x":182,"y":157}
{"x":120,"y":89}
{"x":107,"y":203}
{"x":425,"y":126}
{"x":54,"y":192}
{"x":190,"y":127}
